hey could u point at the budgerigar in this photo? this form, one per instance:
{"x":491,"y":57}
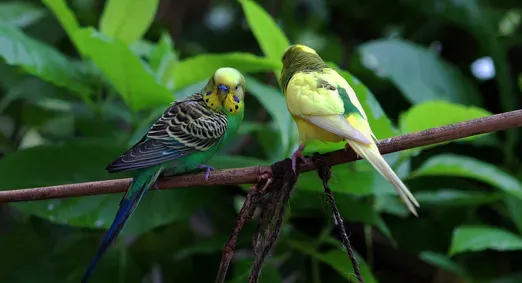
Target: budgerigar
{"x":326,"y":108}
{"x":188,"y":134}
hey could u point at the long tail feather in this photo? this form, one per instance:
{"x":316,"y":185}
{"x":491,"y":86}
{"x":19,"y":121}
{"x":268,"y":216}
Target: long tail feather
{"x":139,"y":187}
{"x":371,"y":153}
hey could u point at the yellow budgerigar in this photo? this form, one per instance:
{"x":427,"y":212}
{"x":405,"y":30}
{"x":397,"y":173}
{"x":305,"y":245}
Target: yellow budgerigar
{"x":325,"y":108}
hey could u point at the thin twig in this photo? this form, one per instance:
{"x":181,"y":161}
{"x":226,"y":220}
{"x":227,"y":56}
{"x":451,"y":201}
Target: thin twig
{"x":325,"y":174}
{"x":248,"y":175}
{"x":246,"y":211}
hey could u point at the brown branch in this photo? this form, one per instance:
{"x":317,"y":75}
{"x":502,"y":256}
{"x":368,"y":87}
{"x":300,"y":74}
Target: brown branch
{"x":249,"y":175}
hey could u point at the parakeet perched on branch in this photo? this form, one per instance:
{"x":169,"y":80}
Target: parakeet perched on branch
{"x":325,"y":108}
{"x":188,"y":134}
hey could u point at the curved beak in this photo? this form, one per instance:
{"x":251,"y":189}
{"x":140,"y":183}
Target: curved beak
{"x":223,"y":89}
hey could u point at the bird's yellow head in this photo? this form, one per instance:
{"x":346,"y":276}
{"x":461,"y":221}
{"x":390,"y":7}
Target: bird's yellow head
{"x":225,"y":90}
{"x":297,"y":51}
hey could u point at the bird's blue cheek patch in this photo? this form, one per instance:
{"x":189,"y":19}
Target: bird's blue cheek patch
{"x":236,"y":99}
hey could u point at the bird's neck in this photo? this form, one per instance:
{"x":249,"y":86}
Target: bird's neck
{"x":234,"y":122}
{"x":301,"y":63}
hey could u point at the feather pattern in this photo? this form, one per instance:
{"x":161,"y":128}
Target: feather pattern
{"x":187,"y":126}
{"x":185,"y":137}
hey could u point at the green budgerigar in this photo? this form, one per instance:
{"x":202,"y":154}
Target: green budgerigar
{"x":188,"y":134}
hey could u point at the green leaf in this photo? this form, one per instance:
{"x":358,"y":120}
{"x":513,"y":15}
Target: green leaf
{"x":127,"y":20}
{"x":514,"y":206}
{"x":419,"y":73}
{"x":480,"y":238}
{"x":77,"y":162}
{"x":38,"y":59}
{"x":427,"y":115}
{"x":128,"y":74}
{"x":274,"y":102}
{"x":20,"y":14}
{"x":443,"y":262}
{"x":337,"y":259}
{"x":363,"y":180}
{"x":270,"y":37}
{"x":197,"y":68}
{"x":449,"y":197}
{"x":269,"y":274}
{"x":65,"y":16}
{"x":462,"y":166}
{"x":163,"y":60}
{"x":353,"y":209}
{"x":143,"y":48}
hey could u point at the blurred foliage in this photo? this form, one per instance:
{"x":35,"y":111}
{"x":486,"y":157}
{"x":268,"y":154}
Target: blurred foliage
{"x":81,"y":81}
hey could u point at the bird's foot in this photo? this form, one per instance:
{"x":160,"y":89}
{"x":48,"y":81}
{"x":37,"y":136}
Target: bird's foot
{"x":208,"y":168}
{"x":298,"y":154}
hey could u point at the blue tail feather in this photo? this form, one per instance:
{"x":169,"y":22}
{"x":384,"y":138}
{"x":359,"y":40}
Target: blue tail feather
{"x":139,"y":187}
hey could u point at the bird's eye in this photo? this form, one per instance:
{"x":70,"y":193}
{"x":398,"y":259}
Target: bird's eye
{"x":236,"y":87}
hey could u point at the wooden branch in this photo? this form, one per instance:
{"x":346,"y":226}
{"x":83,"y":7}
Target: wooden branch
{"x":249,"y":175}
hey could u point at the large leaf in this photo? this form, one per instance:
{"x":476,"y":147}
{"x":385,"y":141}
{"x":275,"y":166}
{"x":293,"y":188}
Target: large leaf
{"x":127,"y":20}
{"x":242,"y":269}
{"x":337,"y":259}
{"x":85,"y":161}
{"x":197,"y":68}
{"x":362,"y":180}
{"x":443,"y":262}
{"x":274,"y":102}
{"x":128,"y":74}
{"x":428,"y":115}
{"x":514,"y":206}
{"x":20,"y":14}
{"x":479,"y":238}
{"x":462,"y":166}
{"x":65,"y":16}
{"x":38,"y":59}
{"x":418,"y":72}
{"x":270,"y":37}
{"x":163,"y":59}
{"x":306,"y":203}
{"x":449,"y":197}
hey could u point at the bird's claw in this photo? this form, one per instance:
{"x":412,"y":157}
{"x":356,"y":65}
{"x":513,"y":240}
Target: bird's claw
{"x":208,"y":168}
{"x":297,"y":154}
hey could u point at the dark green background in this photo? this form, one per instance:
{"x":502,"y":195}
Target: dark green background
{"x":81,"y":81}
